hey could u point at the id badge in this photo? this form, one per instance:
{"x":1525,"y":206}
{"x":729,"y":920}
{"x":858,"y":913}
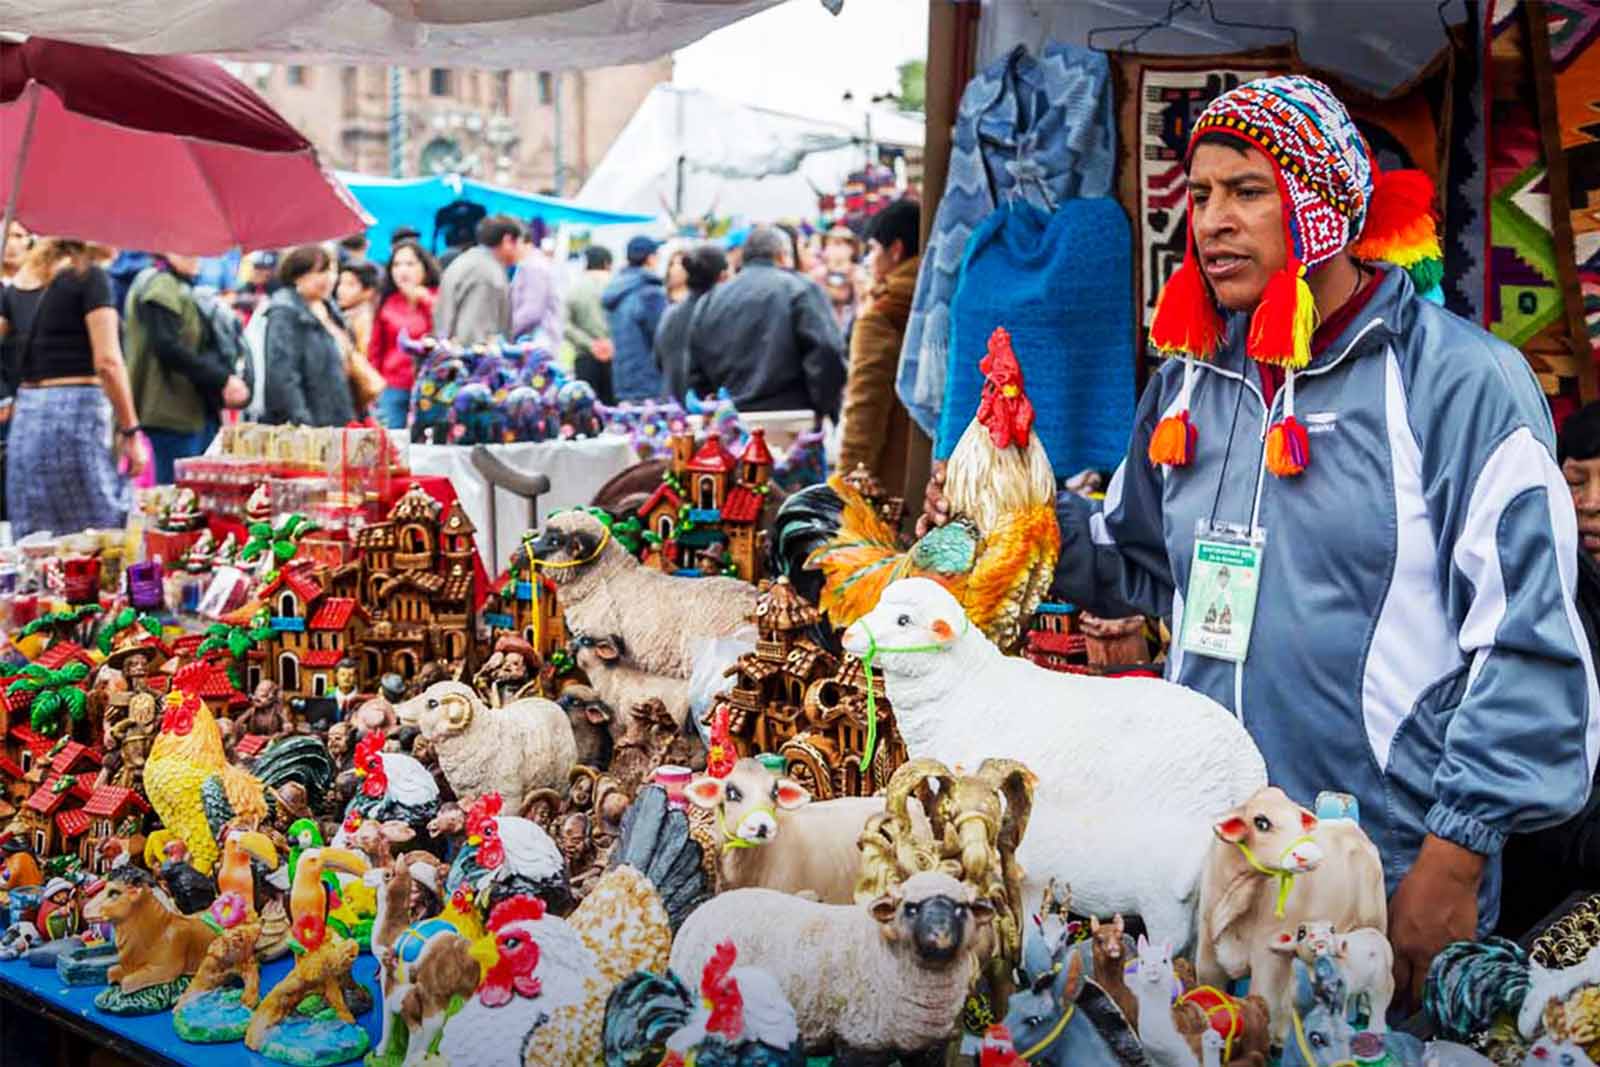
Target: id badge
{"x":1219,"y":609}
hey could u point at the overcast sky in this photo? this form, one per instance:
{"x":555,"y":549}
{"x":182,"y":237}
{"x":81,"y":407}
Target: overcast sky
{"x":798,"y":58}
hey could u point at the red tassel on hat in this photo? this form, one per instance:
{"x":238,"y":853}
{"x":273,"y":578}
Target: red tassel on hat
{"x":1284,"y":320}
{"x":1186,"y":318}
{"x":1400,"y":219}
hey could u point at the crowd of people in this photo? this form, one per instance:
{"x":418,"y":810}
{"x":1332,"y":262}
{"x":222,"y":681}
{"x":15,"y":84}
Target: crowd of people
{"x":111,"y":363}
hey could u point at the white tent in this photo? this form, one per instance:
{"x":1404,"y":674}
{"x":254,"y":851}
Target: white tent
{"x":520,"y":34}
{"x":688,"y":153}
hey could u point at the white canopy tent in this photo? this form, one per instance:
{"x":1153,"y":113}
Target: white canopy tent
{"x":687,"y":153}
{"x":519,"y":34}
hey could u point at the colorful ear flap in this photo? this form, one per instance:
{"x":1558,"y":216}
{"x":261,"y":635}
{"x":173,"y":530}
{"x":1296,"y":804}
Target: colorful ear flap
{"x":1232,"y":830}
{"x":791,"y":795}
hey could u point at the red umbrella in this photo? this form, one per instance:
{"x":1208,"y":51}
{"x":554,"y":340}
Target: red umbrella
{"x":164,"y":153}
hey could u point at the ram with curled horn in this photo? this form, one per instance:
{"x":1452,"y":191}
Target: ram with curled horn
{"x":513,"y":750}
{"x":895,"y":844}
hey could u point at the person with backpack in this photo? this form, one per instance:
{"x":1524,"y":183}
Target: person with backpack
{"x":180,"y":380}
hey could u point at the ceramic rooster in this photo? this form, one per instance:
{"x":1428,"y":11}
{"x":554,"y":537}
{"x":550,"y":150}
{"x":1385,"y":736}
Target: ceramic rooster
{"x":546,"y":984}
{"x":196,"y":791}
{"x":998,"y":552}
{"x":740,"y":1019}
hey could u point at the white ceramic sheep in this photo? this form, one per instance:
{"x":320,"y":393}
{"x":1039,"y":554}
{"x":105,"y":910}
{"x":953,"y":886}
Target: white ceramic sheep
{"x":514,"y":750}
{"x":1132,"y":772}
{"x":864,"y":979}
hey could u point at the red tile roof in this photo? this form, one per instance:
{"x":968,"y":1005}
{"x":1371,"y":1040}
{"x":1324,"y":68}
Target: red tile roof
{"x":72,"y":823}
{"x":19,"y":700}
{"x":742,"y":505}
{"x":712,"y":457}
{"x":664,"y":491}
{"x":187,"y":645}
{"x":334,"y":613}
{"x":61,"y":653}
{"x":321,"y":657}
{"x":250,"y":744}
{"x":1060,"y":644}
{"x":32,"y":741}
{"x":109,"y":801}
{"x":456,"y":520}
{"x":45,"y":799}
{"x":755,"y":450}
{"x":208,"y":680}
{"x":298,"y":579}
{"x":9,"y":767}
{"x":69,"y":756}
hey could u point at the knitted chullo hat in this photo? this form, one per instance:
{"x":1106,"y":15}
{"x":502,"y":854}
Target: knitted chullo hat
{"x":1333,"y":197}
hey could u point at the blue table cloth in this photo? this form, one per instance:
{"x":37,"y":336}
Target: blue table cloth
{"x":155,"y":1032}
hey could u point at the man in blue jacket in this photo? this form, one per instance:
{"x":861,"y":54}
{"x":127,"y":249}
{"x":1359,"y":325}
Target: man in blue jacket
{"x":633,"y":303}
{"x":1415,"y":640}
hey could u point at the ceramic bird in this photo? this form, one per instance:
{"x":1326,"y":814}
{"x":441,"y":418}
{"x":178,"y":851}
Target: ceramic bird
{"x":308,"y":896}
{"x":997,"y":554}
{"x":236,"y":875}
{"x":560,"y":972}
{"x":196,"y":791}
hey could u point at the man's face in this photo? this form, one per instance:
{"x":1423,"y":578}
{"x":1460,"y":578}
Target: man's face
{"x":351,"y":292}
{"x":344,"y":677}
{"x":509,"y":250}
{"x":1238,"y":223}
{"x":189,"y":265}
{"x":1583,"y":478}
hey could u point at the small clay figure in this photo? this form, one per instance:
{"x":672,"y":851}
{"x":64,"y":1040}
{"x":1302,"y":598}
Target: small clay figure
{"x":346,"y":696}
{"x":341,"y":741}
{"x":155,"y":948}
{"x":267,"y":716}
{"x":199,"y":557}
{"x":610,"y":803}
{"x":378,"y":712}
{"x":59,"y":910}
{"x":190,"y":890}
{"x":576,"y":842}
{"x":580,"y":788}
{"x":507,"y":671}
{"x":226,"y":552}
{"x":130,"y":740}
{"x":431,"y":673}
{"x":427,"y":884}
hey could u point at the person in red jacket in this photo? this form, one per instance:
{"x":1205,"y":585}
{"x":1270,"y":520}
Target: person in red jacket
{"x":405,"y":305}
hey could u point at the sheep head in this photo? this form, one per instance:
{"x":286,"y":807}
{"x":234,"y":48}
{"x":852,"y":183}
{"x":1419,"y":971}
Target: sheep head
{"x":913,"y":613}
{"x":441,"y":711}
{"x":747,"y":802}
{"x":573,"y":543}
{"x":933,"y":915}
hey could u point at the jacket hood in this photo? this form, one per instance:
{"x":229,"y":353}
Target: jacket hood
{"x":626,"y":283}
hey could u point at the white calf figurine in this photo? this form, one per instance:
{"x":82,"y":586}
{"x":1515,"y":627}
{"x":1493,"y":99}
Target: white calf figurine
{"x":1364,"y":957}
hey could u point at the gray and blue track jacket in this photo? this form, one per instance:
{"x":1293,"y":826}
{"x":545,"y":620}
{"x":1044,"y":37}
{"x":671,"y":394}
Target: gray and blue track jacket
{"x":1416,"y":641}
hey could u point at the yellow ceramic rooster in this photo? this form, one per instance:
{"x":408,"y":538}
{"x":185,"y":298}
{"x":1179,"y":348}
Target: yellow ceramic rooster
{"x":998,"y":552}
{"x":196,"y":791}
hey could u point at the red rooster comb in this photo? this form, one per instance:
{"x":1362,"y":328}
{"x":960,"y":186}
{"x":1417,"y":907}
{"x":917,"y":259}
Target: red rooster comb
{"x":719,"y":990}
{"x":1004,"y":410}
{"x":517,"y":909}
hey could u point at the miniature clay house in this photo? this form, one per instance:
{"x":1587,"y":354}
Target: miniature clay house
{"x":110,"y":809}
{"x":415,"y":572}
{"x":311,"y":632}
{"x":709,"y":496}
{"x":537,"y":620}
{"x":1052,"y":639}
{"x":52,"y":818}
{"x":793,"y":697}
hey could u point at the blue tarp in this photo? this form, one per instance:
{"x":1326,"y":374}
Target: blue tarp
{"x":412,"y":202}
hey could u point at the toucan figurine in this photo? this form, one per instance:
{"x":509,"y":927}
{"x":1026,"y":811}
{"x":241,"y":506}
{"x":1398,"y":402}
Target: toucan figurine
{"x":235,"y":874}
{"x":308,"y":898}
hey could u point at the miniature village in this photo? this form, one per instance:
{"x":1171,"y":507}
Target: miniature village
{"x":680,"y":787}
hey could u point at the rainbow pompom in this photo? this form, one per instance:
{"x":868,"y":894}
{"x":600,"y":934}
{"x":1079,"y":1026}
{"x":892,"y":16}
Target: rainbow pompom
{"x":1288,"y":448}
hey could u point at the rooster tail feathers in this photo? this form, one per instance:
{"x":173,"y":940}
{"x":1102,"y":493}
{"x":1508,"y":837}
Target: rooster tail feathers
{"x":859,"y":561}
{"x":655,"y":841}
{"x":302,"y":759}
{"x":806,"y":522}
{"x":641,"y":1014}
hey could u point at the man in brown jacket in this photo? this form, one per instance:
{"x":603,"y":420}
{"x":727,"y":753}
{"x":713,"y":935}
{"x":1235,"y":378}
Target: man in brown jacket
{"x":876,"y":425}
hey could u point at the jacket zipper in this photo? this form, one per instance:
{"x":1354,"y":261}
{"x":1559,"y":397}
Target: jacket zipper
{"x":1261,"y":466}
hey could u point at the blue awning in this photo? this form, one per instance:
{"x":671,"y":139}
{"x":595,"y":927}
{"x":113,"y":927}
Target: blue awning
{"x":413,"y":201}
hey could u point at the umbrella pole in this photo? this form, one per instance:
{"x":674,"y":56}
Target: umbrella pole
{"x":22,"y":161}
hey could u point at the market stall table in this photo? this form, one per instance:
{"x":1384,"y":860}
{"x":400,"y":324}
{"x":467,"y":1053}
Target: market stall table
{"x":146,"y":1039}
{"x":576,"y":469}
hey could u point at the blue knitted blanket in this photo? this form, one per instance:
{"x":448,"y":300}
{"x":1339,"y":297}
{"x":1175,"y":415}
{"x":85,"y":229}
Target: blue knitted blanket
{"x":1062,"y":285}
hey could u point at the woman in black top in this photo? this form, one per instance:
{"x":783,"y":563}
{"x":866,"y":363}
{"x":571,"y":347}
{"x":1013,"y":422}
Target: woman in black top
{"x":73,"y":416}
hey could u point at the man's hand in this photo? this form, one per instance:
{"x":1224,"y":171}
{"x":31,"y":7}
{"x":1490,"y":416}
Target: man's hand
{"x":935,"y":508}
{"x":235,"y":394}
{"x":603,"y":349}
{"x":1437,"y":903}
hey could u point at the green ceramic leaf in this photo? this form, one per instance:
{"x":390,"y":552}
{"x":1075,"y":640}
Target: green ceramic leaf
{"x":76,"y":701}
